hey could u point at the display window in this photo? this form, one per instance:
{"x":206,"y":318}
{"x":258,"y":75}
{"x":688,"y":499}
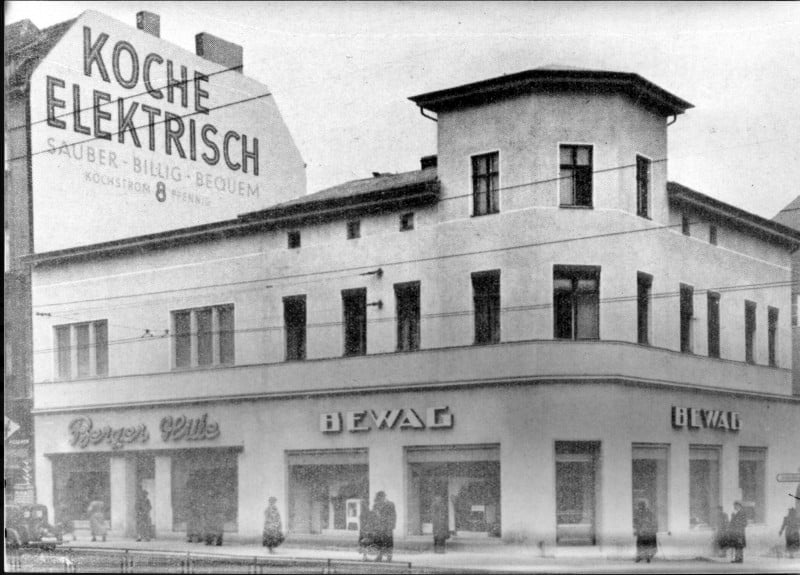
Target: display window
{"x":576,"y":492}
{"x":205,"y":487}
{"x":79,"y":480}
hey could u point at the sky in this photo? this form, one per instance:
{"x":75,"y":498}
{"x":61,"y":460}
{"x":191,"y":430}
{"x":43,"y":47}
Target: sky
{"x":342,"y":72}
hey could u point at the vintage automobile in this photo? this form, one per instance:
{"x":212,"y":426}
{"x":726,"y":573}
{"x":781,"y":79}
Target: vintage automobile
{"x":28,"y":526}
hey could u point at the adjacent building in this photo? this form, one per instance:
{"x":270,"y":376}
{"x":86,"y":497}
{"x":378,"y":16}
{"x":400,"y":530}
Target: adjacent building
{"x":535,"y":324}
{"x":790,"y":216}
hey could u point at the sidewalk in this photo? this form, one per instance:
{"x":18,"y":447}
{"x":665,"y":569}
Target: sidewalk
{"x":496,"y":558}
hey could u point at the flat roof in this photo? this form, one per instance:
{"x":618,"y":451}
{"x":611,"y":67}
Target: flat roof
{"x":549,"y":79}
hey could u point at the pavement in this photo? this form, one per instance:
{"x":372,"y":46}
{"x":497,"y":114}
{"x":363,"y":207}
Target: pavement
{"x":490,"y":558}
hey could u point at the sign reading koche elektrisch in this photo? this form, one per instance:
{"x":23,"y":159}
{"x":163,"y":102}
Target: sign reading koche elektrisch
{"x":131,"y":135}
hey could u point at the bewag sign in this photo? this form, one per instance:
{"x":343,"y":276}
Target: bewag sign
{"x":131,"y":135}
{"x":697,"y":418}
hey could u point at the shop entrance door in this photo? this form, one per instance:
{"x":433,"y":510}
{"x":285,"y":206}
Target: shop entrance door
{"x":576,"y":489}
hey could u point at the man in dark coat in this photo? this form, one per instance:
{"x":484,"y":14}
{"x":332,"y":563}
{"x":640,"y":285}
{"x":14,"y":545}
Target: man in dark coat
{"x":441,"y":529}
{"x":384,"y":519}
{"x":720,"y":525}
{"x":645,"y":528}
{"x":736,"y":529}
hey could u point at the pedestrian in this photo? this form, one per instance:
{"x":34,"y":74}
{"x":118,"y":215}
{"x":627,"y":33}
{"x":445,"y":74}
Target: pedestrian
{"x":143,"y":508}
{"x":720,"y":532}
{"x":194,"y":511}
{"x":791,"y":526}
{"x":736,"y":529}
{"x":384,"y":519}
{"x":366,"y":544}
{"x":273,"y":532}
{"x":644,"y":526}
{"x":97,"y":520}
{"x":65,"y":524}
{"x":441,"y":529}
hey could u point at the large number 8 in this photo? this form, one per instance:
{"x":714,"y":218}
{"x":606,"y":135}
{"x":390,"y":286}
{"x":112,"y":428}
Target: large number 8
{"x":161,"y":192}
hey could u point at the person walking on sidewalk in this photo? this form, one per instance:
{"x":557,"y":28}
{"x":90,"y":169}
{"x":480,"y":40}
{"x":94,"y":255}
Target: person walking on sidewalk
{"x":791,"y":525}
{"x":97,"y":520}
{"x":384,"y":519}
{"x":143,"y":508}
{"x":441,"y":529}
{"x":736,"y":531}
{"x":273,"y":532}
{"x":644,"y":526}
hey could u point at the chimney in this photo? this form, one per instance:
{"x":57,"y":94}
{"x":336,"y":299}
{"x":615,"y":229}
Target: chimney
{"x":149,"y":23}
{"x":219,"y":51}
{"x":427,"y":161}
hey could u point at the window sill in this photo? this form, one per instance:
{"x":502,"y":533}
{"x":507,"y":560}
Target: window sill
{"x":203,"y":367}
{"x":486,"y":214}
{"x":645,"y":217}
{"x":575,"y":207}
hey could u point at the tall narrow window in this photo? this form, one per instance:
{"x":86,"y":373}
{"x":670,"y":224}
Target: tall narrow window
{"x":64,"y":353}
{"x":204,"y":336}
{"x":703,"y":484}
{"x":712,"y":235}
{"x":407,"y":222}
{"x":294,"y":317}
{"x":82,"y":344}
{"x":293,"y":239}
{"x":749,"y":331}
{"x":772,"y":335}
{"x":752,"y":479}
{"x":713,"y":324}
{"x":687,"y":316}
{"x":644,"y":284}
{"x":485,"y":183}
{"x":576,"y":299}
{"x":354,"y":302}
{"x":353,"y":229}
{"x":486,"y":297}
{"x":101,"y":347}
{"x":685,"y":225}
{"x":407,"y":298}
{"x":643,"y":186}
{"x":576,"y":175}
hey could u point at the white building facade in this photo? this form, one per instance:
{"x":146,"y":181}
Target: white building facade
{"x":535,"y":325}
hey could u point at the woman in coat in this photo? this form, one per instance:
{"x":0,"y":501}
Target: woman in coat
{"x":645,"y":529}
{"x":791,"y":525}
{"x":97,"y":520}
{"x":441,"y":530}
{"x":736,"y":528}
{"x":365,"y":535}
{"x":384,"y":520}
{"x":273,"y":532}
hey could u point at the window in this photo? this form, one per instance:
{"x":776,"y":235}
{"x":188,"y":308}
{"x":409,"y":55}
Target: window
{"x":712,"y":235}
{"x":772,"y":333}
{"x":576,"y":491}
{"x":749,"y":331}
{"x":576,"y":175}
{"x":407,"y":222}
{"x":407,"y":298}
{"x":576,"y":298}
{"x":713,"y":324}
{"x":203,"y":336}
{"x":795,"y":305}
{"x":294,"y":317}
{"x":685,"y":225}
{"x":294,"y":239}
{"x":354,"y":302}
{"x":687,"y":315}
{"x":703,"y":484}
{"x":643,"y":186}
{"x":650,"y":476}
{"x":353,"y":229}
{"x":81,"y":350}
{"x":485,"y":183}
{"x":644,"y":284}
{"x":486,"y":298}
{"x":752,"y":473}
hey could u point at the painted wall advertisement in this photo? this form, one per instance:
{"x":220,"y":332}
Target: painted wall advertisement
{"x":131,"y":135}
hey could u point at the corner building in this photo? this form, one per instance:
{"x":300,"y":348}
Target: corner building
{"x":536,"y":325}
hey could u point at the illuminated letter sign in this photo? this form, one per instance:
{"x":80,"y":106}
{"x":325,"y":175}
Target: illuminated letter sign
{"x":131,"y":135}
{"x":190,"y":429}
{"x":84,"y":434}
{"x":698,"y":418}
{"x":386,"y":419}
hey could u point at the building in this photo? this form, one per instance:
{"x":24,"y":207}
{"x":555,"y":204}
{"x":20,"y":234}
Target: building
{"x":535,"y":324}
{"x":790,"y":216}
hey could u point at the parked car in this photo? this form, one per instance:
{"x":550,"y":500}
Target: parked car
{"x":28,"y":526}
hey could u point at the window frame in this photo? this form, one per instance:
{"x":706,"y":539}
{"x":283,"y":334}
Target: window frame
{"x":412,"y":341}
{"x":298,"y":351}
{"x":575,"y":146}
{"x":407,"y":222}
{"x":486,"y":307}
{"x":293,"y":239}
{"x":758,"y":505}
{"x":686,"y":319}
{"x":575,"y":273}
{"x":713,"y":234}
{"x":353,"y":228}
{"x":773,"y":315}
{"x":686,"y":226}
{"x":713,"y":324}
{"x":218,"y":338}
{"x":696,"y":453}
{"x":350,"y":295}
{"x":750,"y":330}
{"x":643,"y":208}
{"x":492,"y":194}
{"x":72,"y":351}
{"x":644,"y":302}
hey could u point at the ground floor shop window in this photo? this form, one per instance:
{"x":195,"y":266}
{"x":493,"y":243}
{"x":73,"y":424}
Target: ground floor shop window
{"x":205,"y":487}
{"x":752,"y":471}
{"x":327,"y":489}
{"x":467,"y":478}
{"x":576,"y":491}
{"x":703,"y":484}
{"x":78,"y":480}
{"x":650,"y":464}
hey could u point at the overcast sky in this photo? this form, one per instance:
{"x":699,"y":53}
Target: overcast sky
{"x":341,"y":74}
